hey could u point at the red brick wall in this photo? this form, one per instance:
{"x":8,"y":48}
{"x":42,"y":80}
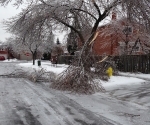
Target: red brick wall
{"x":105,"y":44}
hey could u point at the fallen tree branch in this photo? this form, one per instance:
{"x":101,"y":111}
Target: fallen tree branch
{"x":35,"y":76}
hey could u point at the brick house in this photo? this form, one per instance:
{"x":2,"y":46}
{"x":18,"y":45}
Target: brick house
{"x":6,"y":52}
{"x":24,"y":55}
{"x":118,"y":37}
{"x":3,"y":52}
{"x":3,"y":55}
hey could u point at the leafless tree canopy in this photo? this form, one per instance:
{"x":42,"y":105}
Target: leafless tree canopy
{"x":42,"y":15}
{"x":138,"y":10}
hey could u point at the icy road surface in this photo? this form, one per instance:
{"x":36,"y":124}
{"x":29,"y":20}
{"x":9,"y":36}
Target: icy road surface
{"x":25,"y":103}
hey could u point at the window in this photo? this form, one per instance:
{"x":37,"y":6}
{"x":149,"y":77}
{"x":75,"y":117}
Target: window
{"x":127,"y":30}
{"x":122,"y":47}
{"x":133,"y":47}
{"x":136,"y":48}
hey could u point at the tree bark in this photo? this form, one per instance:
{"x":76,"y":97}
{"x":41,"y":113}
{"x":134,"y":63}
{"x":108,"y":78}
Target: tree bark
{"x":34,"y":55}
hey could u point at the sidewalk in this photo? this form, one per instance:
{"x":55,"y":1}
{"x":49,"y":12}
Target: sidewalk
{"x":136,"y":75}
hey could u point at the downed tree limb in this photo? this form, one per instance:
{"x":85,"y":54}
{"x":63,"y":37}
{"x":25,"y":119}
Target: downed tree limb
{"x":35,"y":76}
{"x":77,"y":80}
{"x":102,"y":59}
{"x":94,"y":38}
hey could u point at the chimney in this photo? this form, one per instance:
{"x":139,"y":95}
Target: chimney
{"x":114,"y":15}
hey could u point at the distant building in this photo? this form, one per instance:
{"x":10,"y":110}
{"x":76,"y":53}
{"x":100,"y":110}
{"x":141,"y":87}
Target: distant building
{"x":24,"y":55}
{"x":3,"y":51}
{"x":120,"y":38}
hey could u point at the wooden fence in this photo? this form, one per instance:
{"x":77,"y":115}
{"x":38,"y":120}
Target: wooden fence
{"x":128,"y":63}
{"x":133,"y":63}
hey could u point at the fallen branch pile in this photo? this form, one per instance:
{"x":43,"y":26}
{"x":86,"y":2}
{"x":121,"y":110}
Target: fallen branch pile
{"x":35,"y":76}
{"x":18,"y":73}
{"x":77,"y":80}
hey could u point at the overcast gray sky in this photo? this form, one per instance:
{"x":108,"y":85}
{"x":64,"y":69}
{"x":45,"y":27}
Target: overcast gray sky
{"x":6,"y":13}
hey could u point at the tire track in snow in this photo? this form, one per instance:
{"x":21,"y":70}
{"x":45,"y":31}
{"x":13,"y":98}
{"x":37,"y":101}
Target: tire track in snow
{"x":66,"y":107}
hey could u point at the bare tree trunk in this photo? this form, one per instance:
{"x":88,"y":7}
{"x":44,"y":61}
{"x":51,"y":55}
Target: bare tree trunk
{"x":34,"y":55}
{"x":86,"y":56}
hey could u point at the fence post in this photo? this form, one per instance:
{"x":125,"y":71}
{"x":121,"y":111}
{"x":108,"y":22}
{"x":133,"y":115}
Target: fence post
{"x":148,"y":63}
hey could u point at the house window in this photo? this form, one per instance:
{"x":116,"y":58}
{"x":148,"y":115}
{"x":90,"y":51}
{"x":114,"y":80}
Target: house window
{"x":122,"y":48}
{"x":137,"y":48}
{"x":131,"y":47}
{"x":127,"y":30}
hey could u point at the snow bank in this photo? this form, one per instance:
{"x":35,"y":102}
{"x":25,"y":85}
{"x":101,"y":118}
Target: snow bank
{"x":121,"y":80}
{"x":46,"y":65}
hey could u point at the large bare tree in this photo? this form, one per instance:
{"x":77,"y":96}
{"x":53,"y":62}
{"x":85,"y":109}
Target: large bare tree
{"x":87,"y":14}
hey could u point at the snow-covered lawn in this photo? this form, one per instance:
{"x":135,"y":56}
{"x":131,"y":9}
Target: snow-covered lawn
{"x":121,"y":80}
{"x":137,"y":75}
{"x":45,"y":65}
{"x":126,"y":79}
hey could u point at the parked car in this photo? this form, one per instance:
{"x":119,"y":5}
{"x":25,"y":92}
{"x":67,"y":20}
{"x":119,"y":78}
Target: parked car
{"x":2,"y":58}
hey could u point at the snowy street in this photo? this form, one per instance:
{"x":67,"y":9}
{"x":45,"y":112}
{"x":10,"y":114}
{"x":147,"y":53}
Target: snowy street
{"x":25,"y":103}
